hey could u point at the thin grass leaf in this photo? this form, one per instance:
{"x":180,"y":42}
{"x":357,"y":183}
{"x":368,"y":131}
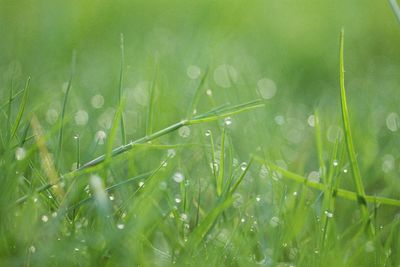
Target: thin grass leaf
{"x":198,"y":93}
{"x":227,"y":112}
{"x":113,"y":187}
{"x":220,"y":177}
{"x":12,"y":98}
{"x":345,"y":194}
{"x":150,"y":110}
{"x":206,"y":225}
{"x":121,"y":80}
{"x":320,"y":148}
{"x":21,"y":108}
{"x":64,"y":107}
{"x":240,"y":179}
{"x":348,"y":135}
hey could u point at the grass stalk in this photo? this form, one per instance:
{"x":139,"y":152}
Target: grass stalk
{"x":348,"y":134}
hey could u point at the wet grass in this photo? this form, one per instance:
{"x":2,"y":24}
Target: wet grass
{"x":209,"y":165}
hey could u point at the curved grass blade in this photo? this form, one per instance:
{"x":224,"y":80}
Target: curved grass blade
{"x":345,"y":194}
{"x":348,"y":135}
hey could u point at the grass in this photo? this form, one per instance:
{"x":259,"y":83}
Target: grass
{"x":190,"y":166}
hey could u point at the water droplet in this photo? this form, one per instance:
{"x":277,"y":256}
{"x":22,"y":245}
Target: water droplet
{"x":76,"y":249}
{"x":295,"y":193}
{"x":224,"y":75}
{"x":328,"y":214}
{"x":111,"y":197}
{"x":228,"y":121}
{"x":258,"y":198}
{"x":335,"y":163}
{"x":20,"y":153}
{"x":345,"y":171}
{"x":193,"y":72}
{"x":51,"y":116}
{"x":207,"y":133}
{"x":97,"y":101}
{"x":243,"y":220}
{"x":99,"y":137}
{"x":32,"y":249}
{"x":81,"y":117}
{"x":120,"y":226}
{"x":274,"y":222}
{"x":311,"y":120}
{"x":141,"y":184}
{"x":209,"y":92}
{"x":184,"y":131}
{"x":266,"y":88}
{"x":243,"y":166}
{"x":54,"y":214}
{"x":45,"y":218}
{"x":178,"y":177}
{"x":171,"y":153}
{"x":184,"y":217}
{"x":280,"y":120}
{"x":314,"y":176}
{"x":393,"y":122}
{"x":178,"y":200}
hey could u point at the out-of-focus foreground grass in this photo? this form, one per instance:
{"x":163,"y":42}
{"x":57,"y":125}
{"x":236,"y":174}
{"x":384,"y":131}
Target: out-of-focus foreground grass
{"x":285,"y":52}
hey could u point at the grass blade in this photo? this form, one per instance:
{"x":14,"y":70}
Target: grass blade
{"x":150,"y":110}
{"x":345,"y":194}
{"x":220,"y":177}
{"x":21,"y":109}
{"x":121,"y":80}
{"x":196,"y":97}
{"x":347,"y":133}
{"x":61,"y":132}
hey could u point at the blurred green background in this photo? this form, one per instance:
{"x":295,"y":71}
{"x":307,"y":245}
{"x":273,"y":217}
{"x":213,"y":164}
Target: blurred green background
{"x":290,"y":46}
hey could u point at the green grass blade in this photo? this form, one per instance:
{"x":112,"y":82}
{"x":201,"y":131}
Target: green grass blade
{"x":220,"y":177}
{"x":347,"y":132}
{"x":240,"y":179}
{"x":20,"y":92}
{"x":121,"y":80}
{"x":64,"y":107}
{"x":198,"y":93}
{"x":320,"y":148}
{"x":345,"y":194}
{"x":21,"y":108}
{"x":150,"y":110}
{"x":206,"y":225}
